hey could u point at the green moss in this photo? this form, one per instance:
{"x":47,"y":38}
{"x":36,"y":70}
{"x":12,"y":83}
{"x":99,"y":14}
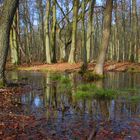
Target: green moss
{"x":90,"y":76}
{"x":106,"y":93}
{"x":2,"y":85}
{"x":61,"y":79}
{"x":55,"y":77}
{"x":86,"y":87}
{"x":44,"y":70}
{"x":135,"y":98}
{"x":132,"y":90}
{"x":65,"y":80}
{"x":90,"y":90}
{"x":65,"y":88}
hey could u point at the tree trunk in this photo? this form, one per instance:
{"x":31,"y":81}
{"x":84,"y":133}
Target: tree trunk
{"x":14,"y":42}
{"x":74,"y":32}
{"x":48,"y":55}
{"x":134,"y":49}
{"x":84,"y":67}
{"x":105,"y":39}
{"x":9,"y":9}
{"x":90,"y":29}
{"x":53,"y":36}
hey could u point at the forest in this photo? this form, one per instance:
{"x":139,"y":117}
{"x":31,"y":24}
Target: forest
{"x":70,"y":69}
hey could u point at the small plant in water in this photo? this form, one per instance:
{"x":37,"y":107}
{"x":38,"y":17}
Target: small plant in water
{"x":135,"y":98}
{"x":1,"y":84}
{"x":89,"y":76}
{"x":65,"y":80}
{"x":90,"y":90}
{"x":56,"y":77}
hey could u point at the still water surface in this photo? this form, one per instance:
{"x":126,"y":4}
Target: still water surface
{"x":48,"y":99}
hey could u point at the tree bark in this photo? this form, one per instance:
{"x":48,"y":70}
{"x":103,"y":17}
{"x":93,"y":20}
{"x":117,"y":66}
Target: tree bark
{"x":90,"y":29}
{"x":9,"y":9}
{"x":105,"y":39}
{"x":48,"y":55}
{"x":14,"y":42}
{"x":53,"y":36}
{"x":134,"y":49}
{"x":84,"y":67}
{"x":74,"y":31}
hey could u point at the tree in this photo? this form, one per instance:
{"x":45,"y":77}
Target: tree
{"x":84,"y":66}
{"x":105,"y":38}
{"x":42,"y":27}
{"x":6,"y":19}
{"x":134,"y":49}
{"x":14,"y":42}
{"x":90,"y":28}
{"x":53,"y":34}
{"x":74,"y":31}
{"x":48,"y":55}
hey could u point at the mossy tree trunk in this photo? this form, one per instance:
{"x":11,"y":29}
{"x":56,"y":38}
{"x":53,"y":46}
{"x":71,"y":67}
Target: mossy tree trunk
{"x":9,"y":9}
{"x":48,"y":55}
{"x":42,"y":28}
{"x":53,"y":35}
{"x":84,"y":67}
{"x":14,"y":42}
{"x":74,"y":32}
{"x":90,"y":28}
{"x":105,"y":38}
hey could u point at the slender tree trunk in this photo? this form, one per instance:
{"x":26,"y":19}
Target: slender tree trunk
{"x":134,"y":49}
{"x":27,"y":33}
{"x":123,"y":34}
{"x":117,"y":35}
{"x":105,"y":39}
{"x":42,"y":28}
{"x":53,"y":36}
{"x":48,"y":55}
{"x":9,"y":9}
{"x":90,"y":29}
{"x":74,"y":32}
{"x":84,"y":67}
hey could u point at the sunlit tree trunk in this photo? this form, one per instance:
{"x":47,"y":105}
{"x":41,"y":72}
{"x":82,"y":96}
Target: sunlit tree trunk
{"x":9,"y":9}
{"x":105,"y":38}
{"x":14,"y":42}
{"x":74,"y":32}
{"x":48,"y":55}
{"x":90,"y":28}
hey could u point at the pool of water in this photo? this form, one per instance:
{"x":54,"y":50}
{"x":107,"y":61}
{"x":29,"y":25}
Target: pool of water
{"x":47,"y":99}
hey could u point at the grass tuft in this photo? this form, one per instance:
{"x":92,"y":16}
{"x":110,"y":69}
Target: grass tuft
{"x":135,"y":98}
{"x":2,"y":85}
{"x":90,"y":90}
{"x":90,"y":76}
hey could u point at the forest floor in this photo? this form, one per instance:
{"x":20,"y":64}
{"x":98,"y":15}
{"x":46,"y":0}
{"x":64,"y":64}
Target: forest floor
{"x":14,"y":125}
{"x":109,"y":66}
